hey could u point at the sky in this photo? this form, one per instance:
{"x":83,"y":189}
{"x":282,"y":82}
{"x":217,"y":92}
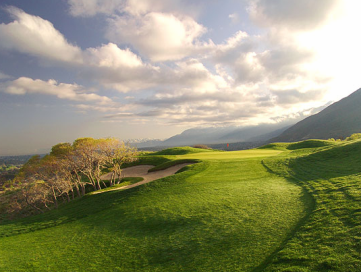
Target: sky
{"x":154,"y":68}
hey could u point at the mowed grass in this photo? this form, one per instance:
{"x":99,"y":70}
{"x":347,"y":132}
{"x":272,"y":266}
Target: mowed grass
{"x":227,"y":213}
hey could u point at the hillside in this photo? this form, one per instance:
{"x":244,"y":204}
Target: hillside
{"x":339,"y":120}
{"x":206,"y":218}
{"x":281,"y":207}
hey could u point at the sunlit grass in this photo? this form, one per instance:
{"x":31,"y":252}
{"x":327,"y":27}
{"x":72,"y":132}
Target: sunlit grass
{"x":227,"y":213}
{"x":285,"y":207}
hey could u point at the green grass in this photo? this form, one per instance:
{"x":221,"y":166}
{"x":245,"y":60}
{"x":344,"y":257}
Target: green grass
{"x":269,"y":209}
{"x":330,"y":240}
{"x":123,"y":182}
{"x":172,"y":163}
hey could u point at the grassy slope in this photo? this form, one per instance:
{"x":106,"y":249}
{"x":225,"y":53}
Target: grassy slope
{"x":227,"y":213}
{"x":330,"y":240}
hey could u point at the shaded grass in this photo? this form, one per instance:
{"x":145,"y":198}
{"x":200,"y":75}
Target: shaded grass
{"x":330,"y":240}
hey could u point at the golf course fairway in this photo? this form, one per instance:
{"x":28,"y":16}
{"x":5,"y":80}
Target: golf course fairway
{"x":232,"y":211}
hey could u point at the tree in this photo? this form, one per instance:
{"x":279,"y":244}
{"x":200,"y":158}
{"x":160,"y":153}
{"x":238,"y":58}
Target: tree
{"x":87,"y":152}
{"x":43,"y":182}
{"x":117,"y":153}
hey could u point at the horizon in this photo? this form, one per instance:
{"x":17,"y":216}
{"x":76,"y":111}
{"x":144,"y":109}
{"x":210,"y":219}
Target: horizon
{"x":153,"y":69}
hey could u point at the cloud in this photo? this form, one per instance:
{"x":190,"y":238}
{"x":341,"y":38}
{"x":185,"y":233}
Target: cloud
{"x":88,"y":8}
{"x":4,"y":76}
{"x":158,"y":36}
{"x":293,"y":14}
{"x":118,"y":69}
{"x":159,"y":30}
{"x":110,"y":55}
{"x":295,"y":97}
{"x":234,"y":18}
{"x":74,"y":92}
{"x":35,"y":36}
{"x":245,"y":80}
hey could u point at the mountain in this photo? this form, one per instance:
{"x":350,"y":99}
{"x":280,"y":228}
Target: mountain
{"x":339,"y":120}
{"x":216,"y":135}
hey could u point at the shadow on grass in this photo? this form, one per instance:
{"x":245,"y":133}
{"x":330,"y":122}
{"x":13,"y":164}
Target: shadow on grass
{"x":309,"y":202}
{"x":87,"y":205}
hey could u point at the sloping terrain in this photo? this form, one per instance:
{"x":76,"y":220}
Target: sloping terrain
{"x":339,"y":120}
{"x":227,"y":213}
{"x":281,"y":207}
{"x":330,"y":239}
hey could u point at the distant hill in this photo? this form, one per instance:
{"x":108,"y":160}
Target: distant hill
{"x":339,"y":120}
{"x":218,"y":135}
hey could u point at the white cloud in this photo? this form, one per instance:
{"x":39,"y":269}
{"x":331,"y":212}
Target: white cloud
{"x":35,"y":36}
{"x":118,"y":69}
{"x":244,"y":80}
{"x":74,"y":92}
{"x":111,"y":56}
{"x":158,"y":36}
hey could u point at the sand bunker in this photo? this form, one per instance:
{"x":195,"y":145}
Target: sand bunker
{"x":142,"y":171}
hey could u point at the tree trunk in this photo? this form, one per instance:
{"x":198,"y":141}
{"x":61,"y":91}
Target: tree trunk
{"x":77,"y":190}
{"x":112,"y":179}
{"x":83,"y":190}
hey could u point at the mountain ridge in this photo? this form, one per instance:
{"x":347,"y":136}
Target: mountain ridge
{"x":339,"y":120}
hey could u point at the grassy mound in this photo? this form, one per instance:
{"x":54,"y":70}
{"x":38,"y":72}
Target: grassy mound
{"x":299,"y":145}
{"x":275,"y":146}
{"x":181,"y":151}
{"x":330,"y":240}
{"x":310,"y":144}
{"x":171,"y":163}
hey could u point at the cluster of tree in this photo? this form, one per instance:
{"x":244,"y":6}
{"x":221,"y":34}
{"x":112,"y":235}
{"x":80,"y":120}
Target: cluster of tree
{"x":7,"y":174}
{"x":65,"y":173}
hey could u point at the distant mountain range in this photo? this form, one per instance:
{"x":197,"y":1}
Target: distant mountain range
{"x":216,"y":137}
{"x":339,"y":120}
